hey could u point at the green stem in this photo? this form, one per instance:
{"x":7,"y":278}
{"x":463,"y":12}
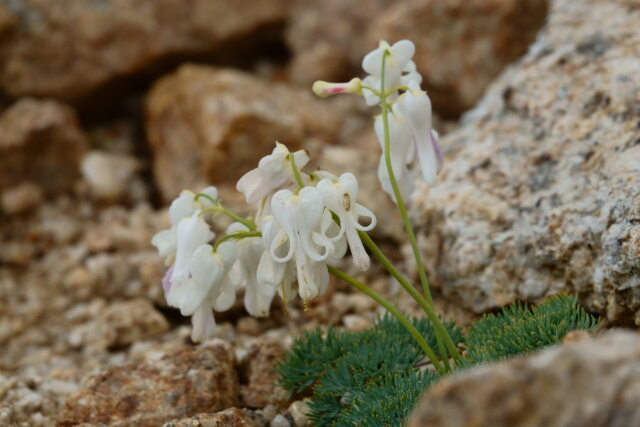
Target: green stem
{"x":241,"y":235}
{"x":396,"y":191}
{"x":221,"y":209}
{"x":422,"y":302}
{"x":394,"y":311}
{"x":295,"y":170}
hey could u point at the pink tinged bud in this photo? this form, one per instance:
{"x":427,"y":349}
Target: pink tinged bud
{"x":324,"y":89}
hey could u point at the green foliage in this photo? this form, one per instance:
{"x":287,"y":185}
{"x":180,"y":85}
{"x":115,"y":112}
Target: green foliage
{"x":373,"y":378}
{"x":349,"y":371}
{"x":518,"y":329}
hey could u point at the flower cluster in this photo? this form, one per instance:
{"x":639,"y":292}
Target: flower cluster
{"x":303,"y":223}
{"x":393,"y":80}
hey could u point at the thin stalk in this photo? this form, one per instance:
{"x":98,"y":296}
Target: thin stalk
{"x":295,"y":170}
{"x":241,"y":235}
{"x":422,"y":302}
{"x":396,"y":190}
{"x":394,"y":311}
{"x":221,"y":209}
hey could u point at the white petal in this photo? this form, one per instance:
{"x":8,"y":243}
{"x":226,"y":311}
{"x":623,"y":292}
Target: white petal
{"x":165,"y":242}
{"x":360,"y":257}
{"x":206,"y":273}
{"x":402,"y":52}
{"x":254,"y":186}
{"x":210,"y":191}
{"x":191,"y":233}
{"x":226,"y":295}
{"x":203,"y":324}
{"x":372,"y":62}
{"x":307,"y":213}
{"x":283,"y":214}
{"x":182,"y":207}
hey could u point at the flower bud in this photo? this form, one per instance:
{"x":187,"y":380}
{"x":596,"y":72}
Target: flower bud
{"x":324,"y":89}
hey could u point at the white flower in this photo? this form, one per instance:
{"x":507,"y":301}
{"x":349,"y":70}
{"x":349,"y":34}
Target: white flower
{"x":272,"y":172}
{"x":206,"y":287}
{"x":299,"y":217}
{"x":258,"y":292}
{"x":190,"y":234}
{"x":183,"y":206}
{"x":401,"y":152}
{"x":399,"y":68}
{"x":415,"y":106}
{"x":340,"y":197}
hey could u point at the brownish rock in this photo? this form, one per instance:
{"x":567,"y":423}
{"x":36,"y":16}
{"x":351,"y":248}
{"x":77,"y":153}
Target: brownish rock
{"x":20,"y":198}
{"x":539,"y":193}
{"x":232,"y":417}
{"x":586,"y":383}
{"x":179,"y":385}
{"x":67,"y":49}
{"x":258,"y":366}
{"x":208,"y":125}
{"x":40,"y":142}
{"x":460,"y":45}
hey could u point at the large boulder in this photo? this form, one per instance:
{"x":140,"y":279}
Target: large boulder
{"x":207,"y":125}
{"x":540,"y":192}
{"x":67,"y":49}
{"x":584,"y":383}
{"x":41,"y":142}
{"x":180,"y":385}
{"x":461,"y":45}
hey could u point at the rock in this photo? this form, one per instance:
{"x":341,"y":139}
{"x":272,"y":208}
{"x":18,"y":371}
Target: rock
{"x":298,"y":411}
{"x":460,"y":45}
{"x":40,"y":142}
{"x":108,"y":175}
{"x":591,"y":383}
{"x":179,"y":385}
{"x":232,"y":417}
{"x":539,"y":191}
{"x":21,"y":198}
{"x":258,"y":366}
{"x":208,"y":125}
{"x":121,"y":324}
{"x":68,"y":49}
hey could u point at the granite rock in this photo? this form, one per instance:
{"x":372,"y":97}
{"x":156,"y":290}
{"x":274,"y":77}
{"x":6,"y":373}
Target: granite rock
{"x":40,"y":142}
{"x":258,"y":368}
{"x":179,"y":385}
{"x":208,"y":125}
{"x":540,"y":192}
{"x":586,"y":383}
{"x":232,"y":417}
{"x":68,"y":49}
{"x":461,"y":46}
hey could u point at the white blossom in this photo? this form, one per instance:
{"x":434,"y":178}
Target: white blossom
{"x":273,"y":172}
{"x":299,"y":217}
{"x":401,"y":152}
{"x":190,"y":234}
{"x":341,"y":197}
{"x":415,"y":106}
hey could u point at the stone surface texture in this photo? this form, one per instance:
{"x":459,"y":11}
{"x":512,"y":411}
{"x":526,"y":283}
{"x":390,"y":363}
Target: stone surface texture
{"x":540,"y":192}
{"x":232,"y":417}
{"x":258,"y":367}
{"x":208,"y":125}
{"x":585,"y":383}
{"x":179,"y":385}
{"x":68,"y":49}
{"x":40,"y":142}
{"x":461,"y":45}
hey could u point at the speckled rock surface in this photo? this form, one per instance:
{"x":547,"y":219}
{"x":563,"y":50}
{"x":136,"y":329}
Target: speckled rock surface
{"x":232,"y":417}
{"x":259,"y":363}
{"x":461,"y":45}
{"x":208,"y":125}
{"x":67,"y":49}
{"x":40,"y":142}
{"x":586,"y":383}
{"x":179,"y":385}
{"x":540,"y":192}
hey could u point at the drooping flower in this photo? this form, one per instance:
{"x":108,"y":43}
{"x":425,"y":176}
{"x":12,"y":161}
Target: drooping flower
{"x":191,"y":233}
{"x":299,"y":217}
{"x":258,"y":292}
{"x":273,"y":172}
{"x":415,"y":106}
{"x":399,"y":69}
{"x":207,"y":287}
{"x":401,"y":152}
{"x":341,"y":197}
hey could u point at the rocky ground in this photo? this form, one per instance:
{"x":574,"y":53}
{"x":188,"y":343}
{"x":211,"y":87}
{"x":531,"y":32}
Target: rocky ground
{"x":109,"y":109}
